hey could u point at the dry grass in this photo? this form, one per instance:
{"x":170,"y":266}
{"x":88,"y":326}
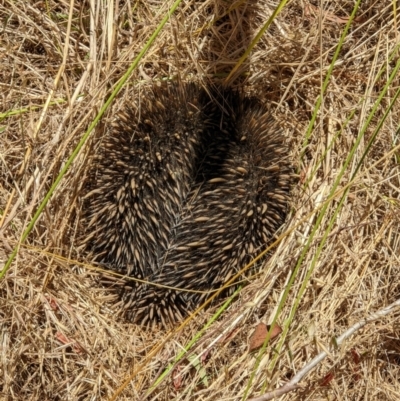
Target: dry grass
{"x":60,"y":338}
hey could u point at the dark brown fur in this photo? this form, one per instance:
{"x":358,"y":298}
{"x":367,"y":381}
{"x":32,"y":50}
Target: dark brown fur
{"x":186,"y":190}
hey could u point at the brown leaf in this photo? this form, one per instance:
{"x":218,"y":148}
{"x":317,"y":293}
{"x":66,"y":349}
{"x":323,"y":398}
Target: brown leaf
{"x":65,"y":340}
{"x":52,"y":303}
{"x":228,"y":337}
{"x":62,"y":338}
{"x":223,"y":340}
{"x":356,"y":367}
{"x":260,"y":334}
{"x":177,"y":377}
{"x":204,"y":356}
{"x":326,"y":379}
{"x":330,"y":16}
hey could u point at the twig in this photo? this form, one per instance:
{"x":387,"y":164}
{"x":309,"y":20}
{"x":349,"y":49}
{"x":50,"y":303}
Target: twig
{"x":292,"y":384}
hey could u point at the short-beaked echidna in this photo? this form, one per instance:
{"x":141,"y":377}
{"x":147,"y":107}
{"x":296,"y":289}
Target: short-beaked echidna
{"x":187,"y":187}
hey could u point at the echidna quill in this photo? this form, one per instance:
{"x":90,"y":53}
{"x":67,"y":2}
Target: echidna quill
{"x":186,"y":189}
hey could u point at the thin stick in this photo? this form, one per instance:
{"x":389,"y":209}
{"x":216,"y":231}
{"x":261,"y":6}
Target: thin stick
{"x":293,"y":384}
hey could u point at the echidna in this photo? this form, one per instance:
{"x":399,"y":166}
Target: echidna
{"x":189,"y":185}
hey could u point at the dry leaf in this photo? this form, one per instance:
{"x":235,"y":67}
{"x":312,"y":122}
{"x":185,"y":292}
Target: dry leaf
{"x":229,"y":336}
{"x":62,"y":338}
{"x":330,"y":16}
{"x":52,"y":303}
{"x":72,"y":343}
{"x":260,"y":334}
{"x":356,"y":368}
{"x":326,"y":379}
{"x":177,"y":377}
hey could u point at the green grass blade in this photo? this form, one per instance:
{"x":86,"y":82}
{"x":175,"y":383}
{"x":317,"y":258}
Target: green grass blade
{"x":194,"y":340}
{"x":105,"y":106}
{"x":337,"y":209}
{"x":319,"y":218}
{"x":328,"y":77}
{"x":256,"y":39}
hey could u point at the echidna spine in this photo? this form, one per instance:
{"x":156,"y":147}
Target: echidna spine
{"x":192,"y":189}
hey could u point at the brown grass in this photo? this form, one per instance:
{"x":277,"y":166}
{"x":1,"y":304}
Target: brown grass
{"x":60,"y":336}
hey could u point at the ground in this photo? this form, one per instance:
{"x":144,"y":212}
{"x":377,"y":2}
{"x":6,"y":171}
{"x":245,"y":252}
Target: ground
{"x":328,"y":70}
